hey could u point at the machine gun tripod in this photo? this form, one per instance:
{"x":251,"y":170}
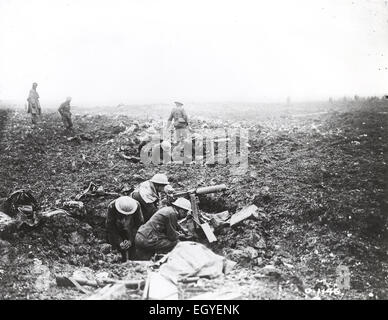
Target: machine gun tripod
{"x":199,"y":220}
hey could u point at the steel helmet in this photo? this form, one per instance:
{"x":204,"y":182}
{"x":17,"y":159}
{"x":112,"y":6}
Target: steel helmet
{"x":166,"y":145}
{"x":126,"y":205}
{"x":159,"y":178}
{"x":182,"y":203}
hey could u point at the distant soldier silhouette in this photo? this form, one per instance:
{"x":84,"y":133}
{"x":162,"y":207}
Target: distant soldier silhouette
{"x":33,"y":104}
{"x":65,"y":113}
{"x":181,"y":123}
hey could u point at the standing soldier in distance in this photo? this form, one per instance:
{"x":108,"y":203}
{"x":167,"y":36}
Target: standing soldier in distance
{"x":65,"y":113}
{"x":181,"y":122}
{"x":33,"y":104}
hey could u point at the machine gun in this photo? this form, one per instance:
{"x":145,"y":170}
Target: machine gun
{"x":197,"y":217}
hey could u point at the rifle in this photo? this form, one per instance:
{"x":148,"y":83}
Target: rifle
{"x":193,"y":195}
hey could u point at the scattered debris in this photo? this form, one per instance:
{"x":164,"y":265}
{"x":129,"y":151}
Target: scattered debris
{"x":116,"y":291}
{"x":270,"y":270}
{"x":75,"y":208}
{"x":219,"y":295}
{"x":70,"y":282}
{"x":94,"y":190}
{"x":64,"y":281}
{"x":5,"y":250}
{"x":130,"y":158}
{"x":20,"y":201}
{"x":218,"y":220}
{"x":159,"y":287}
{"x":42,"y":282}
{"x":245,"y":213}
{"x":208,"y":232}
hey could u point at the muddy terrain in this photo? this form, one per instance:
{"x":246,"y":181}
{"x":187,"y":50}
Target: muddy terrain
{"x":317,"y":174}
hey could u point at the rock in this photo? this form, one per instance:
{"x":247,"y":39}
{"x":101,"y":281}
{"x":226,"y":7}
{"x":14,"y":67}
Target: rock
{"x":76,"y":238}
{"x":66,"y":249}
{"x":270,"y":270}
{"x":105,"y":248}
{"x":86,"y":227}
{"x":228,"y":266}
{"x":112,"y":258}
{"x":251,"y":252}
{"x":259,"y":214}
{"x":259,"y":261}
{"x":82,"y":250}
{"x":243,"y":214}
{"x":102,"y":275}
{"x":139,"y":269}
{"x":83,"y":274}
{"x":260,"y":244}
{"x":277,"y":261}
{"x":43,"y":280}
{"x":236,"y":254}
{"x":256,"y":241}
{"x":75,"y":208}
{"x":7,"y":224}
{"x":5,"y":250}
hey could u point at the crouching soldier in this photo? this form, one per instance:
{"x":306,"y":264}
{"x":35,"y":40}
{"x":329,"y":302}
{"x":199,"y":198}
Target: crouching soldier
{"x":65,"y":113}
{"x":148,"y":194}
{"x":162,"y":232}
{"x":123,"y":219}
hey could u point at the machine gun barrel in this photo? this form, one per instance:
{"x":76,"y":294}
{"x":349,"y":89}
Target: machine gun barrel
{"x":211,"y":189}
{"x":201,"y":190}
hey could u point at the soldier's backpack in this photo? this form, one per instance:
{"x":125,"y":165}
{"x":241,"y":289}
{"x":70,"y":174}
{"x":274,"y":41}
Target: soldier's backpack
{"x":21,"y":201}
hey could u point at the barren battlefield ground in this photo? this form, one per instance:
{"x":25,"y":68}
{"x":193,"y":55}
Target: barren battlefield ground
{"x":318,"y":173}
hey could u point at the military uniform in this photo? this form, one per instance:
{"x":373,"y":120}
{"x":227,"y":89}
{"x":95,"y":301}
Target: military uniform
{"x":121,"y":227}
{"x":34,"y":105}
{"x":178,"y":114}
{"x":64,"y":110}
{"x":148,"y":198}
{"x":159,"y":234}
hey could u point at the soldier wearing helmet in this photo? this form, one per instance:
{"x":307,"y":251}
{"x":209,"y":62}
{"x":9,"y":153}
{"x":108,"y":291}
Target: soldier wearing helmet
{"x":148,"y":194}
{"x":181,"y":122}
{"x":161,"y":233}
{"x":123,"y":219}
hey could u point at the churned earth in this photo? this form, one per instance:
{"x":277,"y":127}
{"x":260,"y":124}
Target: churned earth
{"x":317,"y":174}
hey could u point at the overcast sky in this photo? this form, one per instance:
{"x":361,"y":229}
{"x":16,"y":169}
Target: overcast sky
{"x":151,"y":51}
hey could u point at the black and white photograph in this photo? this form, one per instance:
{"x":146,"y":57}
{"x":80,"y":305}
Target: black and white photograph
{"x":180,"y":150}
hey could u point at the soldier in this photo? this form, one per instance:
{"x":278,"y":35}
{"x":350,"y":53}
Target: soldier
{"x":65,"y":113}
{"x":181,"y":122}
{"x":148,"y":194}
{"x":162,"y":232}
{"x":123,"y":219}
{"x":33,"y":104}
